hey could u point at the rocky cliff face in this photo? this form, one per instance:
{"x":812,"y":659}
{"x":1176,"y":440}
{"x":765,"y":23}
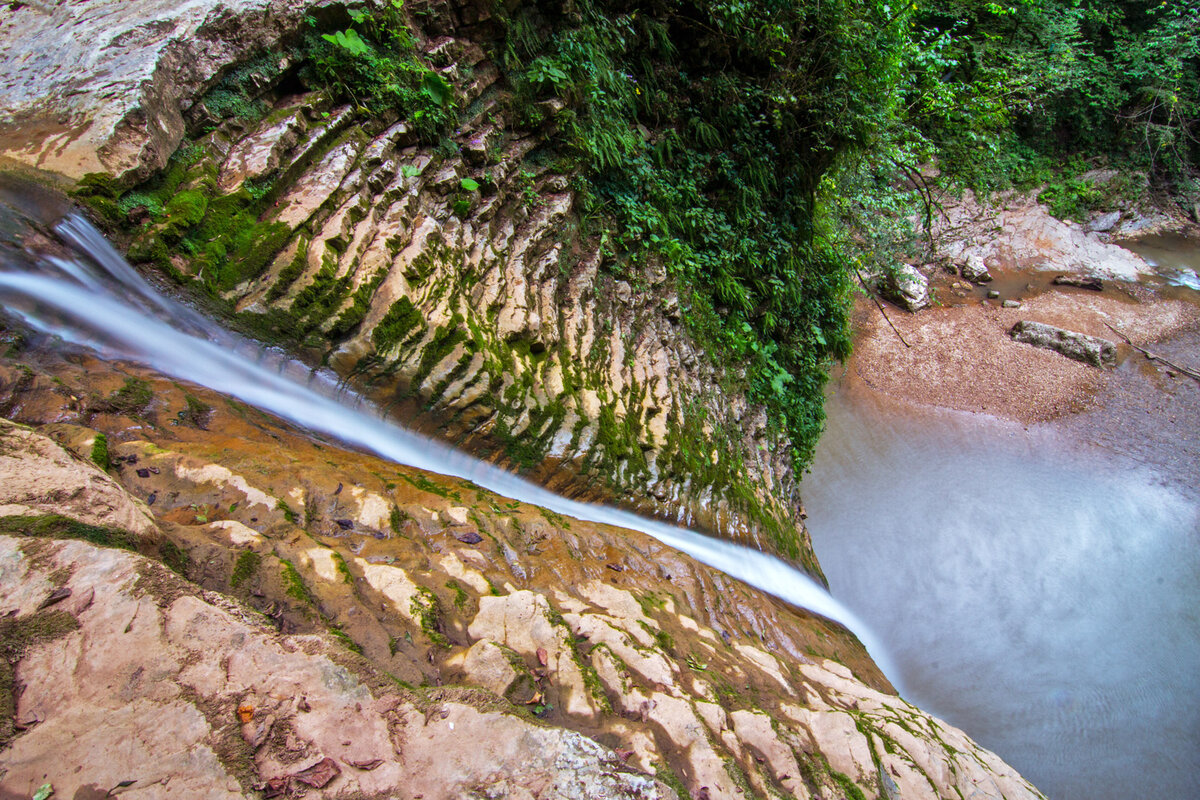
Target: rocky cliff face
{"x":360,"y":629}
{"x":455,"y":282}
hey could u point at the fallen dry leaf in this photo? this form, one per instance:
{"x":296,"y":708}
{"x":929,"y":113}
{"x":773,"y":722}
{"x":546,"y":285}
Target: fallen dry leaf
{"x":320,"y":773}
{"x":57,"y":596}
{"x":366,"y":765}
{"x":543,"y":658}
{"x":245,"y":713}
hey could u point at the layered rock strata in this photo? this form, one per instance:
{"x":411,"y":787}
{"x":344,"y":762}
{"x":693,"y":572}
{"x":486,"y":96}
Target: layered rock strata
{"x":456,"y":284}
{"x":364,"y":629}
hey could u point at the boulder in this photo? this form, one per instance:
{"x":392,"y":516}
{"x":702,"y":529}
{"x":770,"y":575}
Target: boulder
{"x":1104,"y":222}
{"x":1077,"y":346}
{"x":906,"y":287}
{"x":975,"y":270}
{"x":103,"y":85}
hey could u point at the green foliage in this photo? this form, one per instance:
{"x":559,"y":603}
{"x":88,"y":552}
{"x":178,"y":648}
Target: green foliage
{"x":702,"y":137}
{"x":374,"y":63}
{"x":994,"y":90}
{"x":99,"y":454}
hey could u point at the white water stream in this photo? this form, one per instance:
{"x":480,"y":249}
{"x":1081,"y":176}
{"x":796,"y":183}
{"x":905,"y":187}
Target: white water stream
{"x":97,"y":300}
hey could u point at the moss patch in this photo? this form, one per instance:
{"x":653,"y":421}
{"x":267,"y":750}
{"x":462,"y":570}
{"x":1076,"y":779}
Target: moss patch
{"x":245,"y":568}
{"x":56,"y":526}
{"x":100,"y":455}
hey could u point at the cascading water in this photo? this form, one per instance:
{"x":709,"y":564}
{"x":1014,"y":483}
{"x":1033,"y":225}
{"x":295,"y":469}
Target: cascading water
{"x":95,"y":299}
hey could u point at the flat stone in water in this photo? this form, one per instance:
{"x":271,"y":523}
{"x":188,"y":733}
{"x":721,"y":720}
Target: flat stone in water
{"x":1077,"y":346}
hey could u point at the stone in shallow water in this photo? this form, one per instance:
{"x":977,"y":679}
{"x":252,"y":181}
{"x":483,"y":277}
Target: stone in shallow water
{"x":1078,"y":346}
{"x":975,"y":270}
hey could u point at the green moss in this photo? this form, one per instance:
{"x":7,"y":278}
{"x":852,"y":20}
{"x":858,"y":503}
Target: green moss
{"x":294,"y":585}
{"x":343,"y":569}
{"x":345,"y":639}
{"x":130,"y":400}
{"x":56,"y":526}
{"x":288,"y":513}
{"x":396,"y":519}
{"x":174,"y":557}
{"x":401,"y":318}
{"x":288,"y":275}
{"x":427,"y":610}
{"x":667,"y":775}
{"x":426,"y":485}
{"x":662,"y":639}
{"x":360,"y":304}
{"x":651,"y":601}
{"x":17,"y":635}
{"x":849,"y":787}
{"x":244,"y":568}
{"x":195,"y":412}
{"x":461,"y":598}
{"x":100,"y":455}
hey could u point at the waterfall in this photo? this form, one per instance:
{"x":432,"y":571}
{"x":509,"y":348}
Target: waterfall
{"x":92,"y":297}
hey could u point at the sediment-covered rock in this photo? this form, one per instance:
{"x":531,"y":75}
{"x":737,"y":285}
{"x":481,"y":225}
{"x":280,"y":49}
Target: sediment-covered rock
{"x":1078,"y":346}
{"x":555,"y":658}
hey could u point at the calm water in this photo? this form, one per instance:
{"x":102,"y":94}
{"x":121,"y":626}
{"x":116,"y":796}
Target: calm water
{"x":1042,"y":597}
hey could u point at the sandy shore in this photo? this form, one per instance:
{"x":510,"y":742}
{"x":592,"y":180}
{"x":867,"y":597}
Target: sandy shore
{"x":959,"y":354}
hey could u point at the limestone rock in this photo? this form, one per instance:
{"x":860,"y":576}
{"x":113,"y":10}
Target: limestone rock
{"x":1077,"y":346}
{"x":38,"y":476}
{"x":162,"y":667}
{"x":907,"y":287}
{"x":1104,"y":222}
{"x":488,"y":665}
{"x":102,"y":85}
{"x":975,"y":270}
{"x":1022,"y":234}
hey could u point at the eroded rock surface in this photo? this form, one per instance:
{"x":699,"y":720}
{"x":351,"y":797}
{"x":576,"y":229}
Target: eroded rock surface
{"x":556,"y":658}
{"x":102,"y":85}
{"x":483,"y":315}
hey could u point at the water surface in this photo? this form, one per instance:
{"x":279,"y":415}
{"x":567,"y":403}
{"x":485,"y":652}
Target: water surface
{"x":1043,"y":596}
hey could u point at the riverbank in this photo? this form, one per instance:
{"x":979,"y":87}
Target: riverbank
{"x":958,"y":354}
{"x":1024,"y":524}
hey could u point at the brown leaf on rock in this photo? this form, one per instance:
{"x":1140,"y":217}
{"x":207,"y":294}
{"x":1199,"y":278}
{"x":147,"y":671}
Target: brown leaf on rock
{"x":57,"y":596}
{"x":470,"y":537}
{"x":320,"y":773}
{"x":245,"y":713}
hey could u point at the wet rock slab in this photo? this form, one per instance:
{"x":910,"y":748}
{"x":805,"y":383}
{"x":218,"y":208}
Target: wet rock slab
{"x":1080,"y":347}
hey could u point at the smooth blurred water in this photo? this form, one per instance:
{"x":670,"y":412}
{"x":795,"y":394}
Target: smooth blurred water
{"x":1043,"y":597}
{"x":91,"y":297}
